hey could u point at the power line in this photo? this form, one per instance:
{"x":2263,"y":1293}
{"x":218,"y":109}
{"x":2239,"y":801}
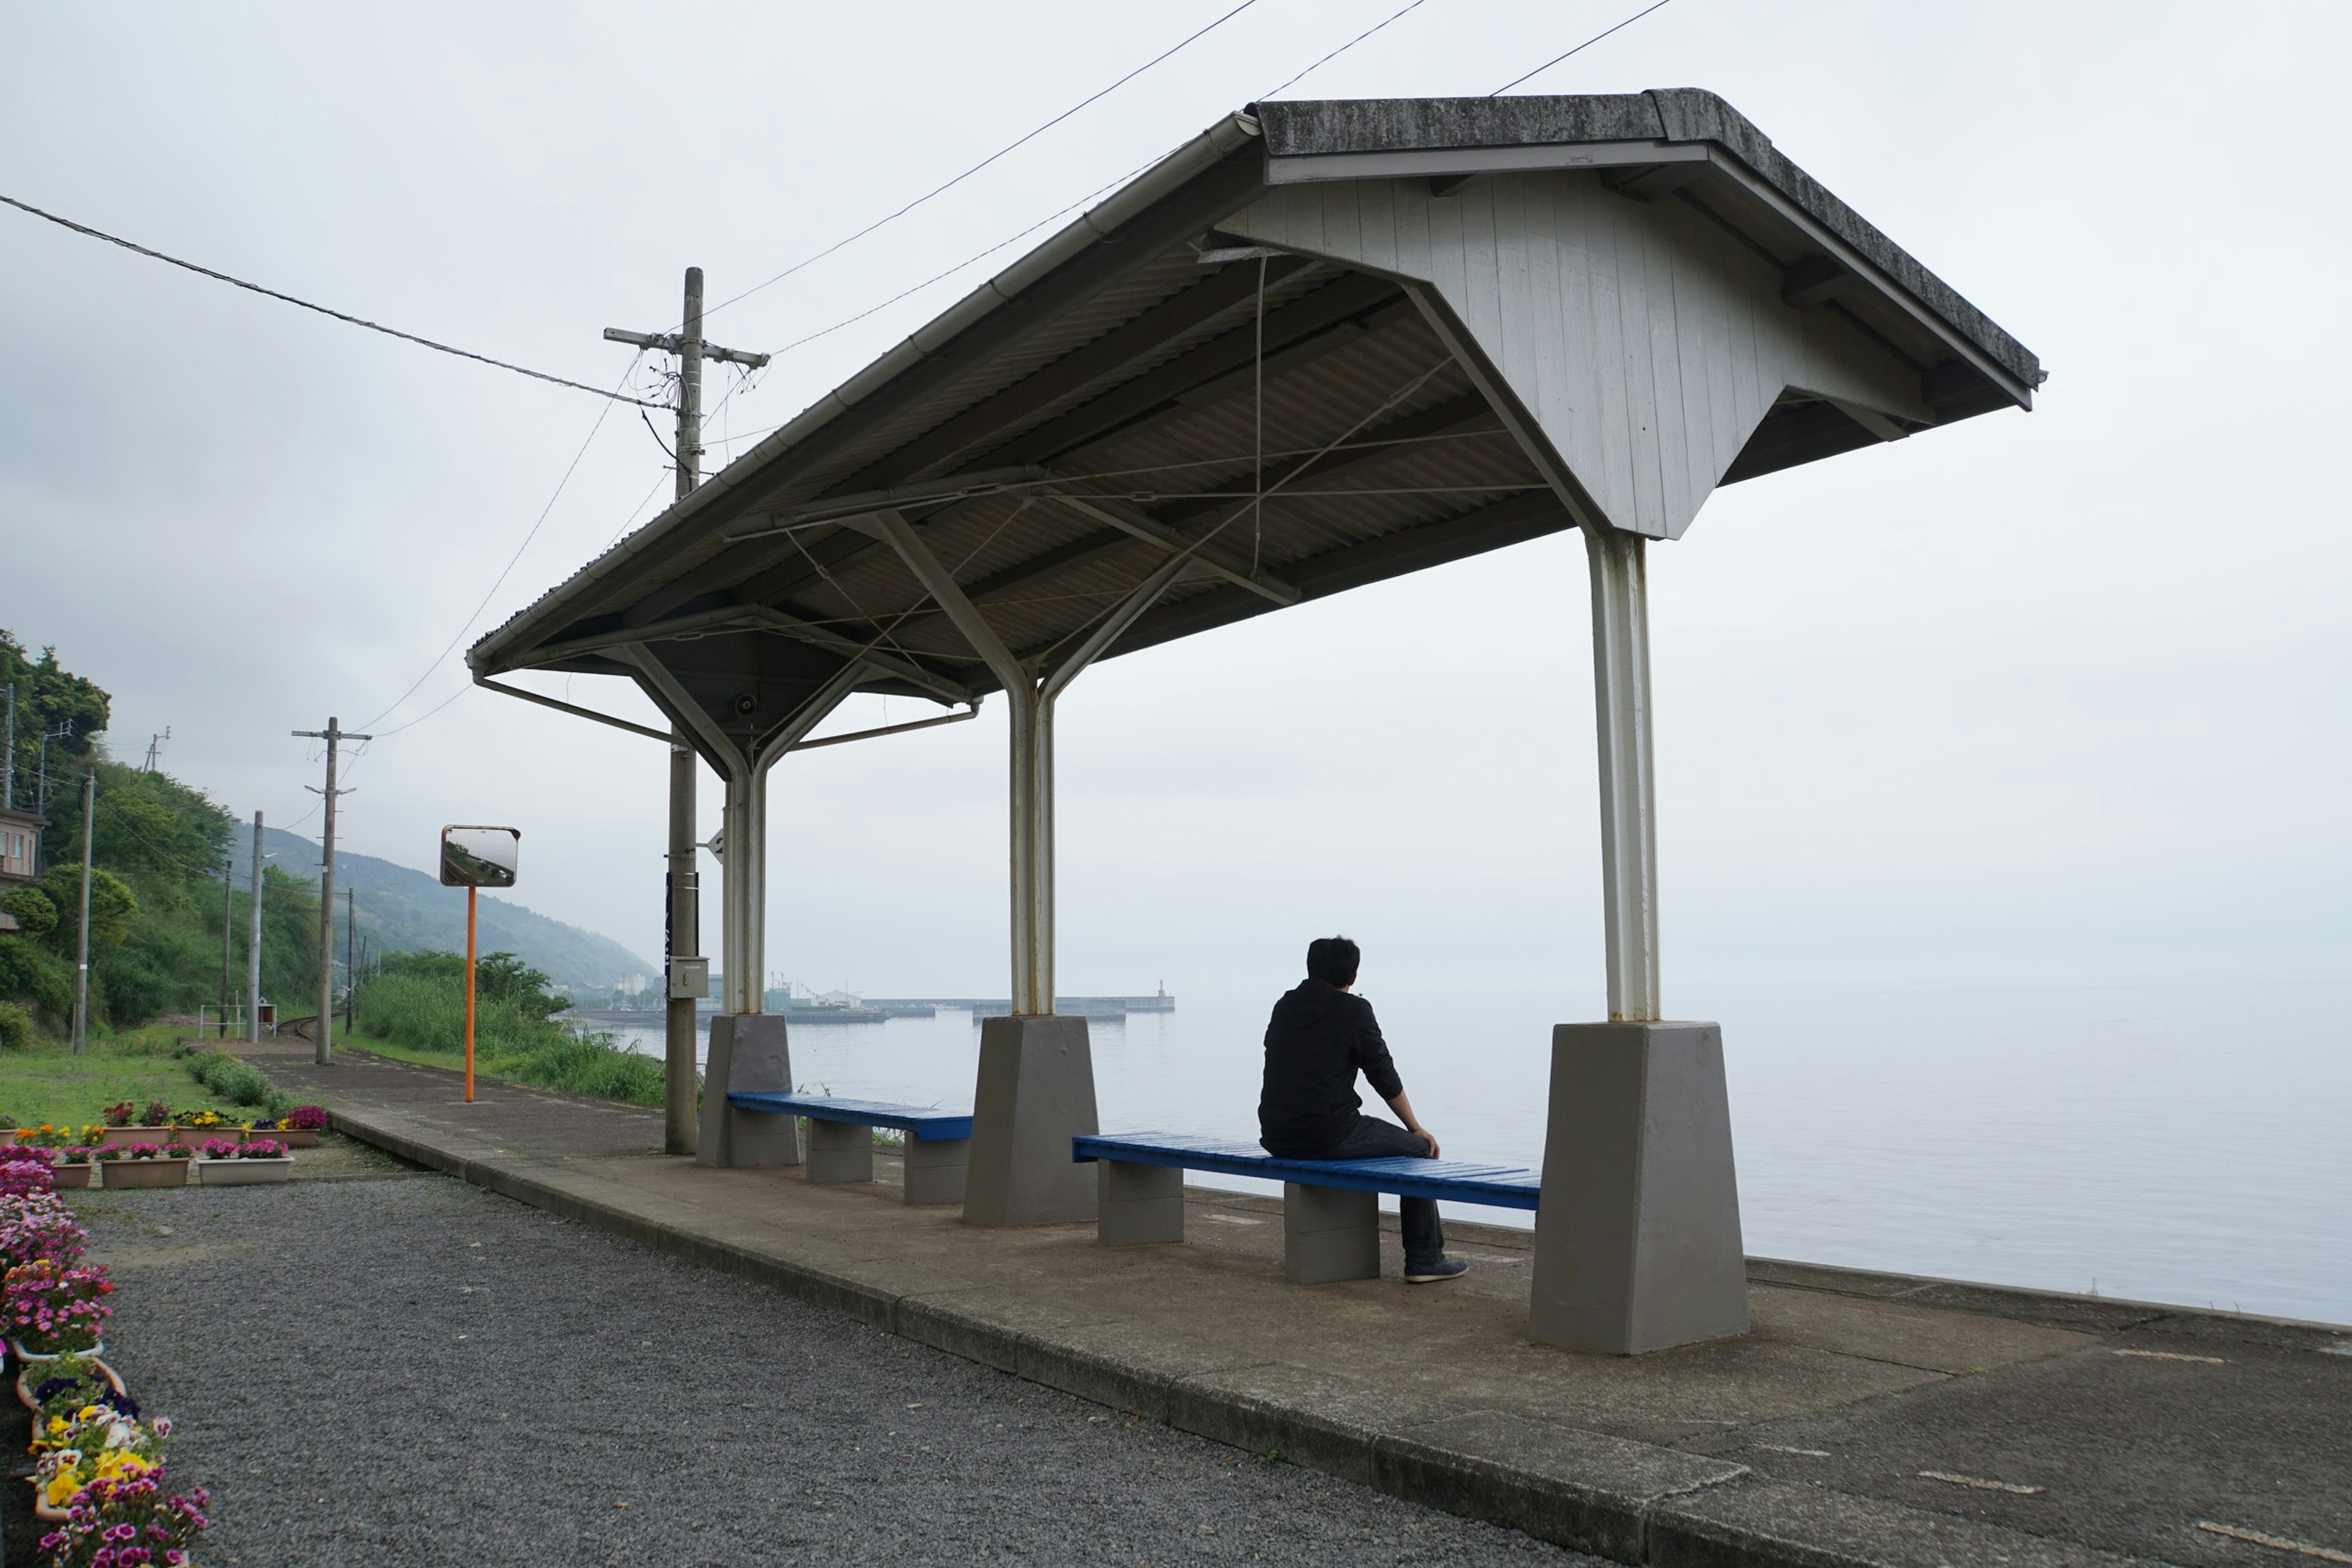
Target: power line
{"x":1342,"y":50}
{"x":1100,"y":190}
{"x":322,"y":309}
{"x":985,"y":162}
{"x":503,"y":571}
{"x":1580,"y":49}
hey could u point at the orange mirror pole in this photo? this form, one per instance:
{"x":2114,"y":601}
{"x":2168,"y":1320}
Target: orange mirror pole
{"x":471,"y":895}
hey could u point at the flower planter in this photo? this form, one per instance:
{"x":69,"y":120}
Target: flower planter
{"x":27,"y":1379}
{"x":241,"y":1172}
{"x":72,"y":1175}
{"x":124,"y":1137}
{"x":29,"y":1360}
{"x":155,"y":1173}
{"x":292,"y":1137}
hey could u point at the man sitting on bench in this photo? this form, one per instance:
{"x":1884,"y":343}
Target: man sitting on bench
{"x":1319,"y":1039}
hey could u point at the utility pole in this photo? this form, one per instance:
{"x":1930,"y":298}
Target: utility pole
{"x":8,"y":791}
{"x":350,"y":954}
{"x":41,"y":789}
{"x":253,"y":944}
{"x":228,"y":935}
{"x":155,"y":744}
{"x":81,"y":969}
{"x":324,"y":1031}
{"x":685,"y":896}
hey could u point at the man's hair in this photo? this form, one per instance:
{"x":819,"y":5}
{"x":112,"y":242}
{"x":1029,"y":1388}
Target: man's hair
{"x":1333,"y":959}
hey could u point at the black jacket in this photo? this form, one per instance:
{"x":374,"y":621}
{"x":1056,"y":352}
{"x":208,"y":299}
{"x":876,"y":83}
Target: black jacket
{"x":1319,"y":1039}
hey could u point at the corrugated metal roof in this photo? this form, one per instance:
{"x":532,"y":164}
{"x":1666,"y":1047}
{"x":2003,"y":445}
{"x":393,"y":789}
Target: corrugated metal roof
{"x":1111,"y":385}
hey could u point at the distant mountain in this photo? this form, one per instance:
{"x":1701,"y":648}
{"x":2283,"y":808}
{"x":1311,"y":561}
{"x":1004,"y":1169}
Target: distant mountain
{"x":406,"y":910}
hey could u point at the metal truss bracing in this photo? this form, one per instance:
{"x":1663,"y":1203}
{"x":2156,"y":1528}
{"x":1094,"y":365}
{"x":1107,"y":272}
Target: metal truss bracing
{"x":1322,"y":345}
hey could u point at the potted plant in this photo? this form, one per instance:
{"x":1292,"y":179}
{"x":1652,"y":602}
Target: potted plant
{"x":18,"y":1177}
{"x":51,"y":1309}
{"x":95,"y":1448}
{"x":194,"y":1126}
{"x":232,"y":1164}
{"x":73,"y":1167}
{"x":151,"y":1166}
{"x":57,"y":1391}
{"x":297,"y":1128}
{"x":121,"y":1128}
{"x":166,"y":1524}
{"x":38,"y":1226}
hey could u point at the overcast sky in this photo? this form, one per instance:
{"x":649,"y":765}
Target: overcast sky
{"x":2066,"y":688}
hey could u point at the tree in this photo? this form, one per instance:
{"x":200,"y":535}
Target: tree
{"x":112,"y":907}
{"x":34,"y":912}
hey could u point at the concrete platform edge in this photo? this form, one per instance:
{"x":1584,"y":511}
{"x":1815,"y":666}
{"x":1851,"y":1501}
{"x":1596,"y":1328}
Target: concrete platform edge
{"x":1632,"y":1502}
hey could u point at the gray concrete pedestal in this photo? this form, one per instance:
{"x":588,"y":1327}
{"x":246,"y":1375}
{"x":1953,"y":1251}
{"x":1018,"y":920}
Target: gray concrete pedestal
{"x":936,"y":1169}
{"x":1329,"y":1234}
{"x":749,"y":1053}
{"x":1036,"y":1092}
{"x":1140,"y":1205}
{"x":1637,"y":1241}
{"x":839,"y":1152}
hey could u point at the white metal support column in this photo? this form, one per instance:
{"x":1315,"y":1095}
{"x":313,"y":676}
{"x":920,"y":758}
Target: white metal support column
{"x":1629,"y":836}
{"x":1035,"y":1087}
{"x":1031,"y":701}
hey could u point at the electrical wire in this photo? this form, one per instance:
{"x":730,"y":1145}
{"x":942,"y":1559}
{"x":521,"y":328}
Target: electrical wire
{"x":1580,"y":49}
{"x":1342,"y":50}
{"x":503,"y":572}
{"x":1002,"y":152}
{"x":84,"y":228}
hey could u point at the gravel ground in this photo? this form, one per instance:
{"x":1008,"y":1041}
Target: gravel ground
{"x":412,"y":1371}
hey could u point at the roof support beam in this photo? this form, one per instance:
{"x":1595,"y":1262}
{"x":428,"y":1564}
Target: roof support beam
{"x":1136,"y":524}
{"x":718,"y":747}
{"x":755,"y":619}
{"x":1195,"y":308}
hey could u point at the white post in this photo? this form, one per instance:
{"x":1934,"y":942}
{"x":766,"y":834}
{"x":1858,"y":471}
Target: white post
{"x":1629,"y":836}
{"x":743,"y":855}
{"x":1032,"y":796}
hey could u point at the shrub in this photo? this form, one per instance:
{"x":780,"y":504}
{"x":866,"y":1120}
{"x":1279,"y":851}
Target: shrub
{"x":35,"y":910}
{"x":30,"y":973}
{"x":238,"y":1082}
{"x":15,"y":1027}
{"x":423,"y":1007}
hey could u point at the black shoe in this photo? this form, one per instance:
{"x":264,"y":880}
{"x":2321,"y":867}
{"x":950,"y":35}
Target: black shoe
{"x":1431,"y":1273}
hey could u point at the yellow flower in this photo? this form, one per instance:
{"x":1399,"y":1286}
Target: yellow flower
{"x":119,"y":1465}
{"x":62,"y":1487}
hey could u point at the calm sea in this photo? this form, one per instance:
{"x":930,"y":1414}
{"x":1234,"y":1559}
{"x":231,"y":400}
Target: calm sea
{"x":2175,"y":1140}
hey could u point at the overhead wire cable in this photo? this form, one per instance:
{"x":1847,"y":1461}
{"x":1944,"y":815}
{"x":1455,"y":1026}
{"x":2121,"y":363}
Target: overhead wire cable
{"x":1010,"y":147}
{"x":508,"y":569}
{"x":1580,"y":49}
{"x":1342,"y":50}
{"x":344,"y":316}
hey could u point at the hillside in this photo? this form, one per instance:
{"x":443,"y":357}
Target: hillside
{"x":405,"y":910}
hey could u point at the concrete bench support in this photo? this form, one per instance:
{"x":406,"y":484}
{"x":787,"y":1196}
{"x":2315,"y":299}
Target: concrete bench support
{"x":840,"y":1151}
{"x":749,"y":1053}
{"x":1139,"y":1205}
{"x":1637,"y":1239}
{"x":1036,"y":1092}
{"x":936,"y":1169}
{"x":1329,"y":1234}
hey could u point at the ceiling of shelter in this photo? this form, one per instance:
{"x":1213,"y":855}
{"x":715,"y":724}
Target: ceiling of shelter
{"x":1297,"y":388}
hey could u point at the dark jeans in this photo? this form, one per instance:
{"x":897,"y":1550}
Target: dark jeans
{"x":1373,"y":1138}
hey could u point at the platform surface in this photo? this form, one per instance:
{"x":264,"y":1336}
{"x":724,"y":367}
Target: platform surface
{"x":1867,"y":1418}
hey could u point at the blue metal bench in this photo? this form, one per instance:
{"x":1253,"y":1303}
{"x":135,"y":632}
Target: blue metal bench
{"x":1330,"y":1208}
{"x":841,"y":1139}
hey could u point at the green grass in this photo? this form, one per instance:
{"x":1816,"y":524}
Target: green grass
{"x":47,"y":1083}
{"x":421,"y":1018}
